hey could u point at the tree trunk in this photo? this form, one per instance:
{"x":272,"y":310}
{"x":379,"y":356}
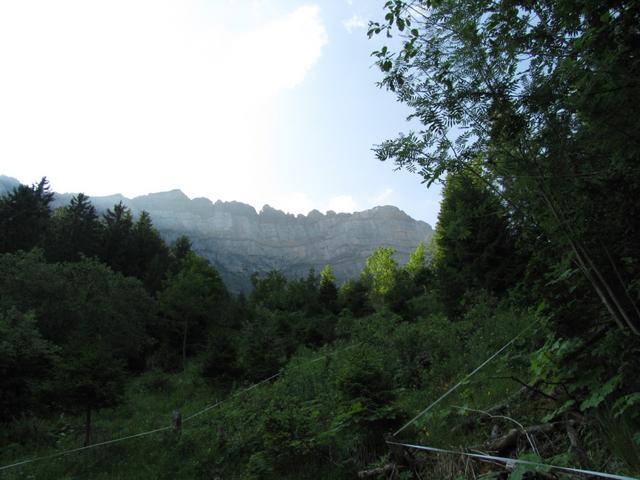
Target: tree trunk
{"x":87,"y":428}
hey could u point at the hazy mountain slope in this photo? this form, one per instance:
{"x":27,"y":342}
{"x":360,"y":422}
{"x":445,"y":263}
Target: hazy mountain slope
{"x":7,"y":184}
{"x":239,"y":241}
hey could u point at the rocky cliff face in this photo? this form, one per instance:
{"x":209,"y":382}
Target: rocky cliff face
{"x":239,"y":241}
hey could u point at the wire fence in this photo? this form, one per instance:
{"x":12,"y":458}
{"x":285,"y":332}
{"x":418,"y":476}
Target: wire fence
{"x":162,"y":429}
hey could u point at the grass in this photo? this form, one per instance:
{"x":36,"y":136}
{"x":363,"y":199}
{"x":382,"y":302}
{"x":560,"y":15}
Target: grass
{"x":148,"y":403}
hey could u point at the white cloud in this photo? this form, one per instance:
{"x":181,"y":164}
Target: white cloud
{"x":354,"y":23}
{"x":343,"y":203}
{"x":280,"y":53}
{"x":257,"y":8}
{"x":142,"y":95}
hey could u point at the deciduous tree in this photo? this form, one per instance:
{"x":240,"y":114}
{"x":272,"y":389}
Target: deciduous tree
{"x":536,"y":101}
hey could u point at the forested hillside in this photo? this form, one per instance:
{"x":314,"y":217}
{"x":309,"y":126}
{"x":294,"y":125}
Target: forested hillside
{"x":514,"y":334}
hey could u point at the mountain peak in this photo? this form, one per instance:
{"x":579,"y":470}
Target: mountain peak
{"x":7,"y":184}
{"x":269,"y":211}
{"x":170,"y":195}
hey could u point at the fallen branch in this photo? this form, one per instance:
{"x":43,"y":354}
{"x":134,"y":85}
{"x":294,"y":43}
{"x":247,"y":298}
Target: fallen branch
{"x":374,"y":472}
{"x":510,"y":440}
{"x":576,"y":445}
{"x":504,"y":417}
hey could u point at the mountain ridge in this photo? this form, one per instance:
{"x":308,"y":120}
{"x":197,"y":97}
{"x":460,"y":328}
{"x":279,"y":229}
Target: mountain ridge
{"x":238,"y":240}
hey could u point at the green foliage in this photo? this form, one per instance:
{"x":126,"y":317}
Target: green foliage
{"x":528,"y":114}
{"x":618,"y":434}
{"x":263,"y":344}
{"x":98,"y":320}
{"x":219,"y":359}
{"x":328,"y":291}
{"x":192,"y":301}
{"x":353,"y":296}
{"x":79,"y":302}
{"x":520,"y":470}
{"x":380,"y":269}
{"x":275,"y":292}
{"x":417,"y":260}
{"x":90,"y":379}
{"x":269,"y":291}
{"x":26,"y":362}
{"x":535,"y":102}
{"x":75,"y":231}
{"x":475,"y":247}
{"x":24,"y":217}
{"x":151,"y":253}
{"x":369,"y":391}
{"x":117,"y":242}
{"x":179,"y":252}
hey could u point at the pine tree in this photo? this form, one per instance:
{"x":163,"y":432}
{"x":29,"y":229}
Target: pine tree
{"x":151,"y":253}
{"x":475,"y":248}
{"x":24,"y":217}
{"x":328,"y":291}
{"x":118,"y":247}
{"x":75,"y":231}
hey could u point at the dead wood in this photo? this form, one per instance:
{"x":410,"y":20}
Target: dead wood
{"x":510,"y":440}
{"x":576,"y":445}
{"x":374,"y":472}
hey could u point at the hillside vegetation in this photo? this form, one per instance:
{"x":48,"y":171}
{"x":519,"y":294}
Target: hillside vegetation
{"x":92,"y":351}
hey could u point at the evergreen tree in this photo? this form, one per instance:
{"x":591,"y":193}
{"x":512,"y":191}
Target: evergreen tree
{"x":354,"y":296}
{"x":179,"y":252}
{"x":270,"y":291}
{"x":475,"y":248}
{"x":75,"y":231}
{"x":24,"y":217}
{"x":118,"y":247}
{"x":328,"y":291}
{"x":151,"y":253}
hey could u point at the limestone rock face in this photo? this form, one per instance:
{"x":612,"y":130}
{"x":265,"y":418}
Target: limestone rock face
{"x":239,"y":241}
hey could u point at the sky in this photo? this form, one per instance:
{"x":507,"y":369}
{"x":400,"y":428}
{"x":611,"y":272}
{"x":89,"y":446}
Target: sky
{"x":260,"y":101}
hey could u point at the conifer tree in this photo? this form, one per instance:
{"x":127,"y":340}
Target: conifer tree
{"x":75,"y":231}
{"x":24,"y":216}
{"x":475,"y":248}
{"x":328,"y":291}
{"x":151,"y":253}
{"x":118,"y":248}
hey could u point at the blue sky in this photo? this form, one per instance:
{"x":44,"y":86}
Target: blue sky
{"x":260,"y":101}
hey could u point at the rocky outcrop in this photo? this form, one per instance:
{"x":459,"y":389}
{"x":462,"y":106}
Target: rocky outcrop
{"x":239,"y":241}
